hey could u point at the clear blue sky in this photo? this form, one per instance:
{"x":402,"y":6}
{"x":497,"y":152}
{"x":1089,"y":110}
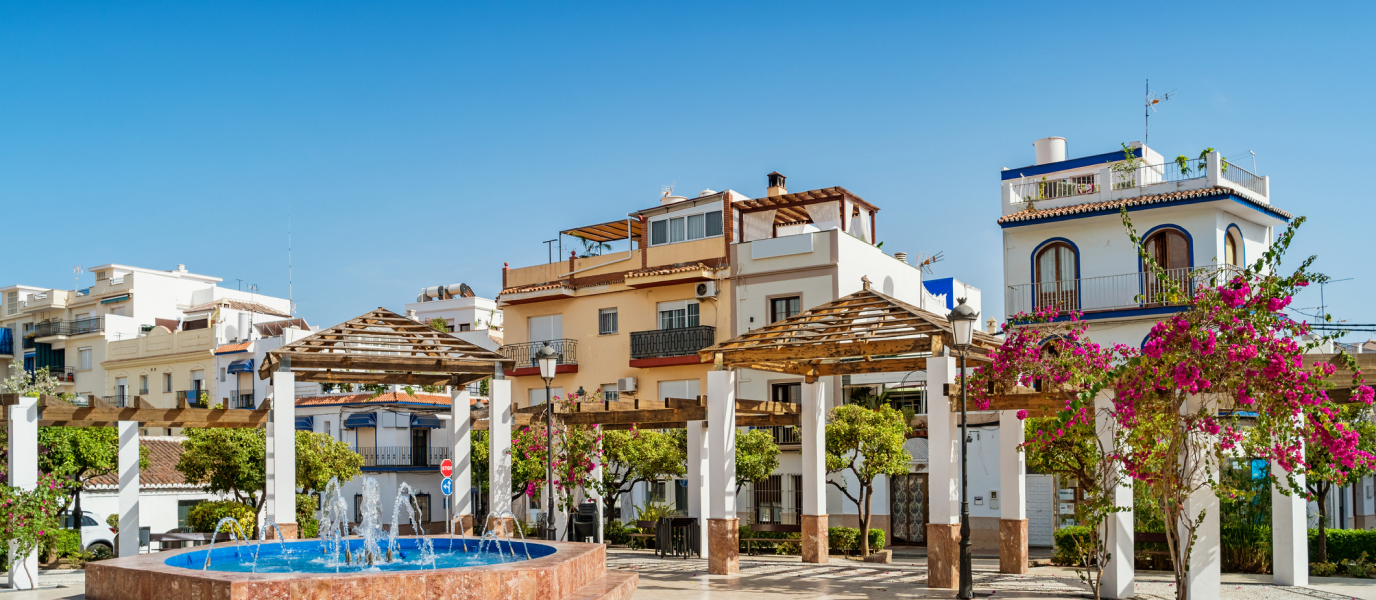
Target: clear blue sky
{"x":425,"y":143}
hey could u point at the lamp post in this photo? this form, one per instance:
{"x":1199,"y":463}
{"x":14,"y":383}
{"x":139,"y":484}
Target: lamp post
{"x":963,"y":319}
{"x":548,"y":360}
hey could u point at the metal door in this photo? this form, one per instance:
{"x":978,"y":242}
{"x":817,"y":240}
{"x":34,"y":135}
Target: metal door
{"x":908,"y":508}
{"x":1040,"y":517}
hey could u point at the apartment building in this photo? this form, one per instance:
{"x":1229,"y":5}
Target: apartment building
{"x":473,"y":319}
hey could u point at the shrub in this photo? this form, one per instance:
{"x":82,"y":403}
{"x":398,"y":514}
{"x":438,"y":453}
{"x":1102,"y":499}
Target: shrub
{"x":99,"y":552}
{"x":1359,"y":568}
{"x":1068,"y":541}
{"x":843,"y":539}
{"x":307,"y":527}
{"x":615,"y":532}
{"x":60,"y":543}
{"x":1344,"y":544}
{"x":1319,"y":569}
{"x":206,"y":515}
{"x":794,"y":547}
{"x":876,"y":539}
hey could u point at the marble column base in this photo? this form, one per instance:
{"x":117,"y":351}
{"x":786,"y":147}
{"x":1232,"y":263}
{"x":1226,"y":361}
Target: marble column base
{"x":815,"y":542}
{"x":501,"y":526}
{"x":943,"y":555}
{"x":723,"y":546}
{"x":463,"y":524}
{"x":288,"y":531}
{"x":1013,"y":546}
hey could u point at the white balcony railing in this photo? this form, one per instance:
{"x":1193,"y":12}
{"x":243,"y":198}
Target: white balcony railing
{"x":1111,"y":292}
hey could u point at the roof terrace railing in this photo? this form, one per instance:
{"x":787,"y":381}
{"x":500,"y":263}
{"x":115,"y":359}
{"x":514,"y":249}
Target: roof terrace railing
{"x":1111,"y":292}
{"x":1243,"y":177}
{"x":1038,"y":189}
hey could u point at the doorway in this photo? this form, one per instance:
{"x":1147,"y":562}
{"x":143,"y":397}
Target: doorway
{"x":908,"y":508}
{"x":420,"y":447}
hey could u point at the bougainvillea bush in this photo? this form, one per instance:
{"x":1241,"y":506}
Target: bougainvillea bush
{"x":26,"y":516}
{"x":577,"y":450}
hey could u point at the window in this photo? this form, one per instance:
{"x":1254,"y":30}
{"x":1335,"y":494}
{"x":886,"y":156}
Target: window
{"x":537,"y":395}
{"x":657,"y":491}
{"x":676,"y":315}
{"x":1170,"y":249}
{"x":685,"y":389}
{"x":167,"y":382}
{"x":194,"y":325}
{"x":1056,"y":277}
{"x":783,"y":308}
{"x":83,"y":359}
{"x":606,"y":321}
{"x":671,"y":230}
{"x":184,"y":513}
{"x":12,"y":303}
{"x":609,"y":392}
{"x":1231,"y":256}
{"x":222,"y":374}
{"x":449,"y":324}
{"x":786,"y":392}
{"x":143,"y":384}
{"x":465,"y":326}
{"x":548,"y":327}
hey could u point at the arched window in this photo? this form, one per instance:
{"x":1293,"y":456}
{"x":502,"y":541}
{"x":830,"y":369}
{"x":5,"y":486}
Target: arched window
{"x":1171,"y":251}
{"x":1232,"y":255}
{"x":1056,"y":277}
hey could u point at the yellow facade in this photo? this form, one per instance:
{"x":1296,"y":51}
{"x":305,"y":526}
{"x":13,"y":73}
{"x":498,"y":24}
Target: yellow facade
{"x":184,"y":356}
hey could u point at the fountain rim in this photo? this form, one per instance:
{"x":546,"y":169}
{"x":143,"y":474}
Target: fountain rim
{"x":155,"y":562}
{"x":272,"y":545}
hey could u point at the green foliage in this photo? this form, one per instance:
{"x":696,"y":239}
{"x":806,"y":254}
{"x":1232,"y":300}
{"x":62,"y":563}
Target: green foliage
{"x":1075,"y":455}
{"x":320,"y":458}
{"x":1245,"y":520}
{"x":868,"y":443}
{"x":26,"y":516}
{"x":638,"y":455}
{"x":99,"y":552}
{"x":439,"y":324}
{"x":877,"y":539}
{"x":756,"y":456}
{"x":480,"y":447}
{"x":653,"y":511}
{"x":307,"y":526}
{"x":83,"y":452}
{"x":1322,"y":569}
{"x":60,"y":543}
{"x":783,"y":546}
{"x":616,"y":532}
{"x":1325,"y":473}
{"x":204,"y":516}
{"x":1345,"y":544}
{"x":1068,"y":542}
{"x":227,"y":461}
{"x":1359,"y":567}
{"x":843,"y":539}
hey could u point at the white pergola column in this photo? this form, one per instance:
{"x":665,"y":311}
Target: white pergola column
{"x":1120,"y":576}
{"x":698,"y":488}
{"x":1289,"y":533}
{"x":128,"y":540}
{"x":1205,"y":573}
{"x":281,"y":459}
{"x":814,"y":449}
{"x":592,"y":493}
{"x":499,"y":448}
{"x":723,"y":533}
{"x":23,"y":474}
{"x":1012,"y":495}
{"x":943,"y":479}
{"x":461,"y":428}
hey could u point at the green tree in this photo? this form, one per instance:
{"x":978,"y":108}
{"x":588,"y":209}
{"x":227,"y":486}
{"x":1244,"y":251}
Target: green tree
{"x":1075,"y":455}
{"x":868,"y":443}
{"x":234,"y":462}
{"x":756,"y":456}
{"x":83,"y":453}
{"x":637,"y":455}
{"x":1324,"y":468}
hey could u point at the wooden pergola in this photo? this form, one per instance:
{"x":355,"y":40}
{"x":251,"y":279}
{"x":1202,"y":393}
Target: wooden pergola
{"x":383,"y":347}
{"x":56,"y":412}
{"x":865,"y":332}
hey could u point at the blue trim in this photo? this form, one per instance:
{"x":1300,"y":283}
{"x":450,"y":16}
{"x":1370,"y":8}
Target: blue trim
{"x":1241,"y":243}
{"x":425,"y":421}
{"x":243,"y":365}
{"x":395,"y":469}
{"x":1126,"y":312}
{"x":1113,"y":211}
{"x":360,"y":420}
{"x":305,"y":423}
{"x":1065,"y":165}
{"x":1033,"y":272}
{"x":946,"y":286}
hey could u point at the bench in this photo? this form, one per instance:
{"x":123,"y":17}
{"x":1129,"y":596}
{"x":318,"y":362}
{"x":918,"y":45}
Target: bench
{"x":771,"y":528}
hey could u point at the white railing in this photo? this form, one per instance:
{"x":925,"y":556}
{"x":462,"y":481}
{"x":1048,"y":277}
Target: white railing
{"x":1032,"y":189}
{"x":1044,"y":189}
{"x":1243,"y":177}
{"x":1111,"y":292}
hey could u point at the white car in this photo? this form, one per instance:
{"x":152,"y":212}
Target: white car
{"x":93,"y":532}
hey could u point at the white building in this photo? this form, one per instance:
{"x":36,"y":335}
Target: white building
{"x":475,"y":320}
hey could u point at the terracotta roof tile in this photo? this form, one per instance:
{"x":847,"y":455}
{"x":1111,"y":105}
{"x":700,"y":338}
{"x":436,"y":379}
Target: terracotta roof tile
{"x":368,"y":398}
{"x":535,"y":287}
{"x":163,"y":454}
{"x":254,"y":307}
{"x":669,"y":270}
{"x":1113,"y":205}
{"x":231,"y":348}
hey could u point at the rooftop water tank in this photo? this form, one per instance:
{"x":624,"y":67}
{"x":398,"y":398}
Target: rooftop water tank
{"x":1050,"y":150}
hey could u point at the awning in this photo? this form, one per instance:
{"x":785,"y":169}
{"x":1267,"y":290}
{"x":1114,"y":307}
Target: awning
{"x":426,"y":421}
{"x":305,"y":423}
{"x":608,"y":232}
{"x":361,"y":420}
{"x":120,"y":298}
{"x":243,"y":365}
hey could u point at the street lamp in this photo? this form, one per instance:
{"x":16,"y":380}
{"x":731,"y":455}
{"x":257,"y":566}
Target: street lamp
{"x":963,"y":319}
{"x":548,"y":360}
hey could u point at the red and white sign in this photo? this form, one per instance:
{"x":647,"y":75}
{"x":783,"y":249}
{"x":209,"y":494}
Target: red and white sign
{"x":446,"y":468}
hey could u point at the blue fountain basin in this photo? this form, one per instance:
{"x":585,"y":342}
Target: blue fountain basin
{"x":308,"y":557}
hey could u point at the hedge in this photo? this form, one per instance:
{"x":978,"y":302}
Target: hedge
{"x":204,"y":516}
{"x":1068,"y":540}
{"x":60,"y":543}
{"x":847,"y":539}
{"x":1344,"y":544}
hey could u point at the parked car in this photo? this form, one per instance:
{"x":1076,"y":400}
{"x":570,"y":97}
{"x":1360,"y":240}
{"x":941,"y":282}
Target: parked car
{"x":93,"y":531}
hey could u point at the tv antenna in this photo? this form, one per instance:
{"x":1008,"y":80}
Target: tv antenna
{"x":1152,"y":101}
{"x":76,"y":276}
{"x":925,"y":262}
{"x":667,"y":190}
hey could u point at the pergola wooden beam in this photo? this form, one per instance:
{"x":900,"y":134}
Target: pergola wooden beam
{"x":55,"y":412}
{"x":382,"y":378}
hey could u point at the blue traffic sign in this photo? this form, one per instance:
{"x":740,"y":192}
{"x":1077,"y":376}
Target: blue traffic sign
{"x":447,"y":486}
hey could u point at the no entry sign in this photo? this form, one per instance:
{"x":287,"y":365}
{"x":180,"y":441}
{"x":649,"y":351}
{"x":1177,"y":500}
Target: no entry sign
{"x":446,"y":468}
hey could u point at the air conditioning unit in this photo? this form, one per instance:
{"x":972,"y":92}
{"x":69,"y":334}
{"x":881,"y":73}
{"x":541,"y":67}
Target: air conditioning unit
{"x":625,"y":385}
{"x":707,"y":289}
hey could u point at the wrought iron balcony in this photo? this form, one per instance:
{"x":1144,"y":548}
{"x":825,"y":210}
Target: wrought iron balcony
{"x":241,"y":401}
{"x":402,"y":456}
{"x":784,"y":434}
{"x":1111,"y":292}
{"x":192,"y":398}
{"x":77,"y":327}
{"x":681,"y":341}
{"x":524,"y":354}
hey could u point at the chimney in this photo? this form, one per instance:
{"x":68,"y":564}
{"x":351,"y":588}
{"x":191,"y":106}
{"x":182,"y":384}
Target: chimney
{"x":181,"y":268}
{"x":776,"y":185}
{"x":901,"y":256}
{"x":1050,"y":150}
{"x":992,"y":327}
{"x":411,"y":314}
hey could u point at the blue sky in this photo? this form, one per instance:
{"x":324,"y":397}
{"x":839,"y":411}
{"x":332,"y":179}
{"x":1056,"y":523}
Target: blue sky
{"x":419,"y":143}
